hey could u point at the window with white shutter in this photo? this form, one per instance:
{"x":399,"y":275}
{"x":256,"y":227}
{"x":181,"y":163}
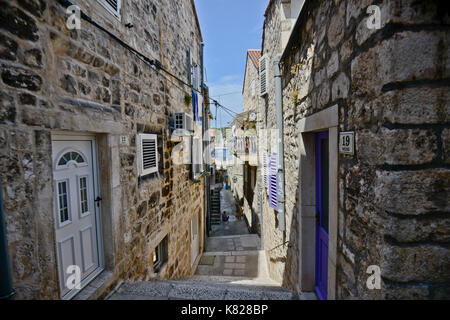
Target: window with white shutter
{"x":273,"y":181}
{"x":263,"y":75}
{"x":113,"y":6}
{"x":148,"y":153}
{"x":195,"y":76}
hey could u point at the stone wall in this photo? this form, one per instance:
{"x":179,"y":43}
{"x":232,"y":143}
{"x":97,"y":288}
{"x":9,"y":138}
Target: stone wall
{"x":237,"y":180}
{"x":251,"y":75}
{"x":276,"y":253}
{"x":391,"y":87}
{"x":83,"y":80}
{"x":251,"y":102}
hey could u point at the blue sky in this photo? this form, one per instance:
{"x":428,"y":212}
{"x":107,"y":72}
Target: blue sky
{"x":229,"y":28}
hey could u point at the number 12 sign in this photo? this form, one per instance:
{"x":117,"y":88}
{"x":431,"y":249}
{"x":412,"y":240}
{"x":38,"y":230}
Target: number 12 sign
{"x":347,"y":143}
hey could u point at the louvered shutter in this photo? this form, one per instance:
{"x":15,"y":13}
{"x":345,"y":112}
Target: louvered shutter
{"x":263,"y":75}
{"x":148,"y":153}
{"x":113,"y":6}
{"x":264,"y":162}
{"x":273,"y":181}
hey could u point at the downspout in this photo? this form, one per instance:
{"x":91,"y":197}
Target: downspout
{"x":205,"y":158}
{"x":279,"y":111}
{"x":6,"y":289}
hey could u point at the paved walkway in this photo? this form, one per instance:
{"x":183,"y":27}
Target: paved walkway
{"x":231,"y":268}
{"x":196,"y":290}
{"x":233,"y":256}
{"x":233,"y":226}
{"x":232,"y":250}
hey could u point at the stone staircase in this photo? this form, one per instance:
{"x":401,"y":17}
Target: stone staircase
{"x":215,"y":207}
{"x":198,"y":289}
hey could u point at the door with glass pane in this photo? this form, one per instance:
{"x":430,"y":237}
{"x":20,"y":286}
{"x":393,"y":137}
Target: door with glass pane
{"x":76,"y":208}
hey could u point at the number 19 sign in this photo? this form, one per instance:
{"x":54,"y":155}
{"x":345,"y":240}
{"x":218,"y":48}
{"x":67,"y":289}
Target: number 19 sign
{"x":347,"y":143}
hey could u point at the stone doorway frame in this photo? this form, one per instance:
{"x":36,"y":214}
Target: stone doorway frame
{"x":327,"y":119}
{"x":108,"y":164}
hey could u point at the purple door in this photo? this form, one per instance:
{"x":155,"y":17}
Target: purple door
{"x":322,"y":159}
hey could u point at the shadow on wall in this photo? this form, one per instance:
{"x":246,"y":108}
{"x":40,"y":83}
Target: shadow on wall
{"x":300,"y":99}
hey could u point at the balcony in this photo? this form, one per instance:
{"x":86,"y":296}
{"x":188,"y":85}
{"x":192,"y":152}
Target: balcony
{"x":246,"y":148}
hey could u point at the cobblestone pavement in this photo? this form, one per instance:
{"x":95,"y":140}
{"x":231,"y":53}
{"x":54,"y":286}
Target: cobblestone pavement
{"x":196,"y":290}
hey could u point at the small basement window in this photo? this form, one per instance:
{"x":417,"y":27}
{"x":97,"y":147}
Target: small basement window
{"x":160,"y":256}
{"x":113,"y":6}
{"x":148,"y":154}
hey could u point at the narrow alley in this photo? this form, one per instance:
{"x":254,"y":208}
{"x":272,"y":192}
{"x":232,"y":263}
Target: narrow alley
{"x":233,"y":267}
{"x":224,"y":150}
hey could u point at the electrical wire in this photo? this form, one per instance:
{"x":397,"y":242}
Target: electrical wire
{"x":227,"y":94}
{"x":153,"y":63}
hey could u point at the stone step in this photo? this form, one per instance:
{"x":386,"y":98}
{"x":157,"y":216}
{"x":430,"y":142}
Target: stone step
{"x":199,"y":290}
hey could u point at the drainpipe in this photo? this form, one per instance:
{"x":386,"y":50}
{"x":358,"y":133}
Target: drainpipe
{"x":206,"y":168}
{"x":6,"y":289}
{"x":279,"y":111}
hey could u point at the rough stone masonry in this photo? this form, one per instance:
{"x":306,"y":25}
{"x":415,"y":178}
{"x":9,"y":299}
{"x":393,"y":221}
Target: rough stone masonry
{"x":391,"y":87}
{"x":53,"y":78}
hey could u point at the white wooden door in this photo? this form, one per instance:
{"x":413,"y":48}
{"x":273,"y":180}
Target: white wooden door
{"x":194,"y":239}
{"x":76,"y":211}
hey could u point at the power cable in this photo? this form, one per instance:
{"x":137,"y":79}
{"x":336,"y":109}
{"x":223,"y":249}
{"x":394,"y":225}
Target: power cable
{"x":153,"y":63}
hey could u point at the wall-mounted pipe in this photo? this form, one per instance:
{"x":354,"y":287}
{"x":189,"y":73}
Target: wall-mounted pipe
{"x":279,"y":112}
{"x":206,"y":161}
{"x":6,"y":288}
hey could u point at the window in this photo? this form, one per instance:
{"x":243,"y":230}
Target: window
{"x":263,"y":75}
{"x":113,"y":6}
{"x":160,"y":255}
{"x":148,"y":153}
{"x":63,"y":202}
{"x":195,"y":76}
{"x":83,"y":195}
{"x":71,"y":156}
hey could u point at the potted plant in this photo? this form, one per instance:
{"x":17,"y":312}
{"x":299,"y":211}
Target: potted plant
{"x":187,"y":100}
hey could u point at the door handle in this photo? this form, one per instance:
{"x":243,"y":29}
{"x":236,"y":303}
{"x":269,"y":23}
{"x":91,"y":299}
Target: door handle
{"x":98,"y":199}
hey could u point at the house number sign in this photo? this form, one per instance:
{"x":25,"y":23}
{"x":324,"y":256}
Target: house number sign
{"x":347,"y":143}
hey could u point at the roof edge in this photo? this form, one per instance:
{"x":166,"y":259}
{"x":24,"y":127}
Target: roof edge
{"x":196,"y":20}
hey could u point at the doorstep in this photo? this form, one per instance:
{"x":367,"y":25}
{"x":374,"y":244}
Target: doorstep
{"x":97,"y":287}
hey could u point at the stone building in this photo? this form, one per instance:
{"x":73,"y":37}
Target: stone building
{"x":385,"y":206}
{"x":245,"y":151}
{"x":86,"y":163}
